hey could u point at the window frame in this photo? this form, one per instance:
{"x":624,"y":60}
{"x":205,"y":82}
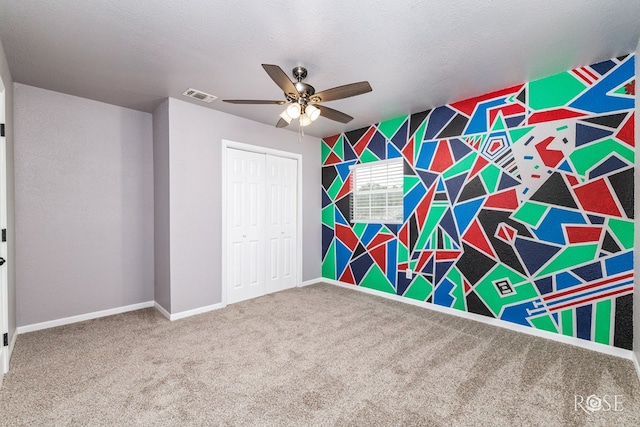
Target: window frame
{"x":387,"y":191}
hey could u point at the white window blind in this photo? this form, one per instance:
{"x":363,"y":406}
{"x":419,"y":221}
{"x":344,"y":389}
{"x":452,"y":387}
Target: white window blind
{"x":377,"y":191}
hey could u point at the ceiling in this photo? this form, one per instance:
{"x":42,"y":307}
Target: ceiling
{"x":416,"y":54}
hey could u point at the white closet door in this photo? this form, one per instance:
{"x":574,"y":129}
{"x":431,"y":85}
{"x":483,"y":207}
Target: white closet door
{"x":281,"y":204}
{"x":245,"y":225}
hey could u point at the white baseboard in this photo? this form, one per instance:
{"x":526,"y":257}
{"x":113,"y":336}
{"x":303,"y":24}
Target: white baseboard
{"x":200,"y":310}
{"x":636,"y":364}
{"x":310,"y":282}
{"x":81,"y":317}
{"x":589,"y":345}
{"x":12,"y":344}
{"x":188,"y":313}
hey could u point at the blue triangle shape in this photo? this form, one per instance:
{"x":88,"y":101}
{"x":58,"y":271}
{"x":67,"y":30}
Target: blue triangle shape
{"x":428,"y":178}
{"x":586,"y":134}
{"x":344,"y":169}
{"x":613,"y":163}
{"x":392,"y":152}
{"x":535,"y":254}
{"x":565,"y":166}
{"x":400,"y":137}
{"x":454,"y":185}
{"x":340,"y":218}
{"x":566,"y":280}
{"x":448,"y":224}
{"x":507,"y":181}
{"x":377,"y":145}
{"x":458,"y":148}
{"x":465,"y":212}
{"x":343,"y":255}
{"x":412,"y":199}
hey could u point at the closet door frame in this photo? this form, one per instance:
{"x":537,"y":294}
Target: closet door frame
{"x":227,"y":144}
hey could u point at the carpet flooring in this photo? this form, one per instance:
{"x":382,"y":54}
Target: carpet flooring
{"x":319,"y":355}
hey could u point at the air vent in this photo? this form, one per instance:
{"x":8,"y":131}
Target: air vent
{"x":200,"y":96}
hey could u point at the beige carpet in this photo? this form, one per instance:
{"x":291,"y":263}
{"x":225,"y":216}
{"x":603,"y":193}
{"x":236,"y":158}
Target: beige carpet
{"x":320,"y":355}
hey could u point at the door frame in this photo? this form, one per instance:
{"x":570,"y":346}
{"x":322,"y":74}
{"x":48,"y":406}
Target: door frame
{"x":228,"y":144}
{"x":4,"y":282}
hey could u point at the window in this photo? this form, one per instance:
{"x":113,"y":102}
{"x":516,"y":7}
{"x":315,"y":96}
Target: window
{"x":377,"y":191}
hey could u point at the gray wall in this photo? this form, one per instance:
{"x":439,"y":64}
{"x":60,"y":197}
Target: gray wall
{"x":9,"y":138}
{"x":162,"y":287}
{"x":196,"y":197}
{"x":84,"y":205}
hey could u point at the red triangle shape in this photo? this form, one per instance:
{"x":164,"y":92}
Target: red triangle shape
{"x":442,"y":159}
{"x":345,"y":190}
{"x":379,"y":239}
{"x":407,"y":151}
{"x":467,"y":286}
{"x":403,"y":235}
{"x":596,"y":197}
{"x":423,"y":207}
{"x":475,"y":236}
{"x":347,"y":276}
{"x":424,"y":257}
{"x":331,"y":141}
{"x":364,"y":141}
{"x":346,"y":236}
{"x":627,"y":133}
{"x":332,"y":159}
{"x":379,"y":255}
{"x":480,"y":163}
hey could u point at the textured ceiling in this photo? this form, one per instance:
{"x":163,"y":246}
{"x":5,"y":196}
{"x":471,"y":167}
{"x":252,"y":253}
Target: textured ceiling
{"x":416,"y":54}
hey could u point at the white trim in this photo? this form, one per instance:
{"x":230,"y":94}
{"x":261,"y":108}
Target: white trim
{"x":162,"y":310}
{"x":195,"y":311}
{"x":82,"y":317}
{"x":311,"y":282}
{"x":589,"y":345}
{"x":223,"y":170}
{"x":636,"y":364}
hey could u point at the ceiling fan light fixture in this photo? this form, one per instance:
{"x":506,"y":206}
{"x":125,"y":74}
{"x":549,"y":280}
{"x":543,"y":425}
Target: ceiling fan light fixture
{"x":286,"y":117}
{"x":305,"y":120}
{"x":293,"y":110}
{"x":313,"y":112}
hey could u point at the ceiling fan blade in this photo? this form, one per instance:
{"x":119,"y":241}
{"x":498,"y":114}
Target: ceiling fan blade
{"x":332,"y":114}
{"x":341,"y":92}
{"x":281,"y":79}
{"x":253,"y":101}
{"x":282,"y":123}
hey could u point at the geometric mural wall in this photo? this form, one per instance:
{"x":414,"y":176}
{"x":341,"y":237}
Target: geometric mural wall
{"x":518,"y":205}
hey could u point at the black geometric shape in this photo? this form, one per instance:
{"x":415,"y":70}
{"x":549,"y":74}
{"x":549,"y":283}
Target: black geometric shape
{"x":407,"y":169}
{"x":475,"y":305}
{"x":360,"y":266}
{"x":545,"y":285}
{"x":458,"y":148}
{"x":399,"y":139}
{"x":344,"y":206}
{"x":413,"y":232}
{"x":327,"y":238}
{"x":441,"y":197}
{"x":589,"y":272}
{"x":473,"y":264}
{"x":329,"y":174}
{"x":622,"y":57}
{"x":359,"y":251}
{"x":455,"y":127}
{"x":611,"y":121}
{"x":586,"y":134}
{"x":378,"y":145}
{"x":438,"y":119}
{"x":326,"y":200}
{"x":415,"y":121}
{"x":522,"y":96}
{"x":473,"y":189}
{"x":609,"y":244}
{"x":489,"y":220}
{"x":354,"y":136}
{"x":554,"y":191}
{"x":603,"y":67}
{"x":623,"y":329}
{"x":440,"y":239}
{"x":430,"y":299}
{"x":507,"y":181}
{"x":535,"y":253}
{"x":622,"y":183}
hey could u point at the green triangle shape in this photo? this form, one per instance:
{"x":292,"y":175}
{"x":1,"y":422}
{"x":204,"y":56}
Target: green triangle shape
{"x":490,"y":175}
{"x":328,"y":218}
{"x":544,"y":323}
{"x":326,"y":150}
{"x":623,"y":230}
{"x":359,"y":228}
{"x":420,"y":289}
{"x":419,"y":137}
{"x":518,"y":133}
{"x":339,"y":148}
{"x":462,"y":166}
{"x":335,"y":188}
{"x":375,"y":279}
{"x":329,"y":263}
{"x":390,"y":127}
{"x":409,"y":182}
{"x":499,"y":123}
{"x":433,"y":218}
{"x":403,"y":253}
{"x":368,"y":156}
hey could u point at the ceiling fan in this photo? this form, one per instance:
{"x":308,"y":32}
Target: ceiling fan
{"x":304,"y":102}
